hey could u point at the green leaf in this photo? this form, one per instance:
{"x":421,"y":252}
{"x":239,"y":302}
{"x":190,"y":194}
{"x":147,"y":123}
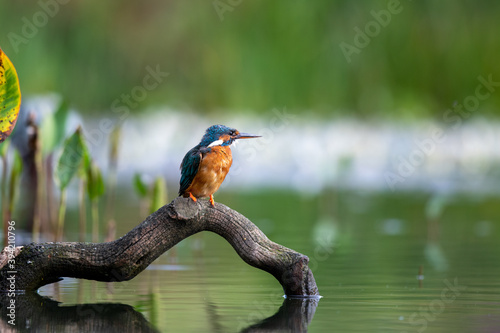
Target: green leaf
{"x":71,"y":158}
{"x":159,"y":194}
{"x":95,"y":184}
{"x":10,"y":96}
{"x":140,"y":186}
{"x":53,"y":128}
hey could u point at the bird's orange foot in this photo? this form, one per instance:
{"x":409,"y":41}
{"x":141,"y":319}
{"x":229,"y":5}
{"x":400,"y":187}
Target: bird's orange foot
{"x":192,"y":196}
{"x":212,"y":200}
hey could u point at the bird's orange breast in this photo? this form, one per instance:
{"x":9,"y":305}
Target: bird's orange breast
{"x":213,"y":169}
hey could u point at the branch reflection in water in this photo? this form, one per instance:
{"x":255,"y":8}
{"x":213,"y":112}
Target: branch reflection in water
{"x":33,"y":312}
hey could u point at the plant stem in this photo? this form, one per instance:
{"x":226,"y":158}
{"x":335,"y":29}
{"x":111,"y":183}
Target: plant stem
{"x":83,"y":211}
{"x":14,"y":175}
{"x":95,"y":220}
{"x":4,"y":200}
{"x":62,"y":212}
{"x":48,"y":183}
{"x":110,"y":202}
{"x":114,"y":140}
{"x":40,"y":193}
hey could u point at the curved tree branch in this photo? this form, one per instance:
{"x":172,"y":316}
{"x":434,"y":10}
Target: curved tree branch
{"x":36,"y":265}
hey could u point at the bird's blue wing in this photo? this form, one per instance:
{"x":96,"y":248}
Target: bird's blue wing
{"x":189,"y":167}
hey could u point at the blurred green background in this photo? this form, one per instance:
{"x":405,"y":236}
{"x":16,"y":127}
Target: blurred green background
{"x":256,"y":55}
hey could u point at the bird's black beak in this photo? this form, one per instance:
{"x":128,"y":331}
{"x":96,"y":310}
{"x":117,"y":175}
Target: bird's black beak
{"x":246,"y":136}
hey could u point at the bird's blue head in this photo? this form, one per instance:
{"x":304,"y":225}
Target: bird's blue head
{"x":220,"y":135}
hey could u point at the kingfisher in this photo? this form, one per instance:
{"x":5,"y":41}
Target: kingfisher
{"x":205,"y":166}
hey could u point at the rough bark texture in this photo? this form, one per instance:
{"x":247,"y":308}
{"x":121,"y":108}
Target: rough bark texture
{"x":40,"y":264}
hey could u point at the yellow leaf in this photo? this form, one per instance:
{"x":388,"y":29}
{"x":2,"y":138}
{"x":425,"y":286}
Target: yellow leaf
{"x":10,"y":96}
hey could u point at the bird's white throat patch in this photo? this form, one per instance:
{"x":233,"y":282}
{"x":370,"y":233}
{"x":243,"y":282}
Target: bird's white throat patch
{"x":216,"y":143}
